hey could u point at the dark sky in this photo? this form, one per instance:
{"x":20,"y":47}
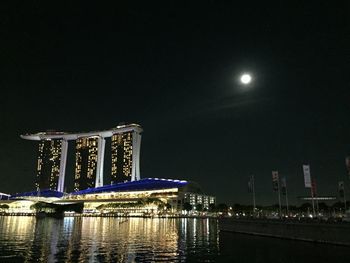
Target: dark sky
{"x":173,"y":68}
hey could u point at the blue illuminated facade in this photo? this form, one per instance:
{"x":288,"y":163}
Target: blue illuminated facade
{"x":4,"y":196}
{"x":140,"y":185}
{"x":125,"y":198}
{"x":44,"y":193}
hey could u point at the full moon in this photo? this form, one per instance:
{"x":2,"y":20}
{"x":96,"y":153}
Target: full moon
{"x":246,"y":78}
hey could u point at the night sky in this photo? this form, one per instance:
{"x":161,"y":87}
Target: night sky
{"x":173,"y":68}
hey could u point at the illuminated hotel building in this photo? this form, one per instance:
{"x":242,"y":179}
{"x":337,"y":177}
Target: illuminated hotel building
{"x":122,"y":152}
{"x":85,"y":163}
{"x":128,"y":194}
{"x":48,"y":168}
{"x":90,"y":151}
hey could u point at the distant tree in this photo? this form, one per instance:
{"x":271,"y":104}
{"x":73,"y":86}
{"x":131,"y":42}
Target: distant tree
{"x":237,"y":207}
{"x":323,"y":206}
{"x":161,"y":207}
{"x":276,"y":206}
{"x":305,"y":206}
{"x":187,"y":206}
{"x":269,"y":208}
{"x":292,"y":208}
{"x":37,"y":206}
{"x":222,"y":207}
{"x":168,"y":206}
{"x":4,"y":206}
{"x":42,"y":206}
{"x":212,"y":208}
{"x":338,"y":205}
{"x":199,"y":207}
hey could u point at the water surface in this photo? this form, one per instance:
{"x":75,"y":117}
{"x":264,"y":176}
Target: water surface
{"x":89,"y":239}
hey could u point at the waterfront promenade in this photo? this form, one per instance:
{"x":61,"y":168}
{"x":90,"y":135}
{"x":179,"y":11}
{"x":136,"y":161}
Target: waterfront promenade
{"x":337,"y":233}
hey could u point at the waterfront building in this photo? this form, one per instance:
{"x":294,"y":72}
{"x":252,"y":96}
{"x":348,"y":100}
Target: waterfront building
{"x":197,"y":198}
{"x":143,"y":197}
{"x":122,"y":152}
{"x":48,"y":167}
{"x":90,"y":151}
{"x":127,"y":194}
{"x":85,"y":163}
{"x":125,"y":147}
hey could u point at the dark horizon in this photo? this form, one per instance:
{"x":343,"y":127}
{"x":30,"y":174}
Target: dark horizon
{"x":173,"y":68}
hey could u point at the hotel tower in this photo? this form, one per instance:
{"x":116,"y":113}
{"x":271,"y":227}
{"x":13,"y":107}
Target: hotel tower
{"x":89,"y":157}
{"x":48,"y":169}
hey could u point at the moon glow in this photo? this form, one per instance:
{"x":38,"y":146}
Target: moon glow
{"x":246,"y":79}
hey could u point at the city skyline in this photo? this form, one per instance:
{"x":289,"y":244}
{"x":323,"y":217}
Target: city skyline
{"x":175,"y":69}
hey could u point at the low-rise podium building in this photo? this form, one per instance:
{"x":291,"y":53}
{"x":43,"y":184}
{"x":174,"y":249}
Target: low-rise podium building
{"x":143,"y":197}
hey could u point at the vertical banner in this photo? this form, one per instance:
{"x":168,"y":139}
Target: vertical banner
{"x":347,"y":163}
{"x":307,"y":175}
{"x":275,"y":183}
{"x":284,"y":185}
{"x":341,"y":189}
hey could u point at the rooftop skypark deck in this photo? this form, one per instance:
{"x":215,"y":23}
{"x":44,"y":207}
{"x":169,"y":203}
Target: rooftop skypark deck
{"x":73,"y":136}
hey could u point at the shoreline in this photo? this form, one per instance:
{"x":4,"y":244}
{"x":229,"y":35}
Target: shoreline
{"x":107,"y":215}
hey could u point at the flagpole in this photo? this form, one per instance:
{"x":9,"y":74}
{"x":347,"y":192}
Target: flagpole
{"x":279,"y":196}
{"x":314,"y":190}
{"x":344,"y":200}
{"x":253,"y":186}
{"x":287,"y":200}
{"x":313,"y":204}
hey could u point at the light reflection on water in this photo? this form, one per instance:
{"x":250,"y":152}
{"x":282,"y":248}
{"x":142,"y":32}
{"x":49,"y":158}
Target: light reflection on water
{"x":27,"y":239}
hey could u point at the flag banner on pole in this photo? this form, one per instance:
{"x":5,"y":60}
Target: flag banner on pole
{"x":313,"y":187}
{"x":347,"y":163}
{"x":284,"y":185}
{"x":275,"y":180}
{"x":307,"y":175}
{"x":341,"y":189}
{"x":250,"y":184}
